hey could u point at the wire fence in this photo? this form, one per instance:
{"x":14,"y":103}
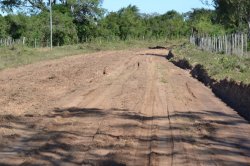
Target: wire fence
{"x":234,"y":44}
{"x":36,"y":43}
{"x":45,"y":42}
{"x":9,"y":41}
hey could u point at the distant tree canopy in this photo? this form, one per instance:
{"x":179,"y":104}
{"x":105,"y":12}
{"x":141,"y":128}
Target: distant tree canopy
{"x":84,"y":20}
{"x":204,"y":21}
{"x":233,"y":14}
{"x":129,"y":23}
{"x":71,"y":18}
{"x":76,"y":6}
{"x":3,"y":27}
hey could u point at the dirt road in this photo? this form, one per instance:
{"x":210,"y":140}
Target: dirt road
{"x":116,"y":108}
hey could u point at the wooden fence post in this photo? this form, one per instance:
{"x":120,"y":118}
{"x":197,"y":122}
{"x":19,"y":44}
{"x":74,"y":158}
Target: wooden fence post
{"x":228,"y":44}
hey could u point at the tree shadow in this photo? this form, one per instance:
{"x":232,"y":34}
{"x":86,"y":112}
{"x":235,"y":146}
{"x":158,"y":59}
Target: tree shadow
{"x":153,"y":54}
{"x":91,"y":136}
{"x":158,"y":47}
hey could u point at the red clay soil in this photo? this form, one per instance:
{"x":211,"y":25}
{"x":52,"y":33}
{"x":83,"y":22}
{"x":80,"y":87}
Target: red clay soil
{"x":116,"y":108}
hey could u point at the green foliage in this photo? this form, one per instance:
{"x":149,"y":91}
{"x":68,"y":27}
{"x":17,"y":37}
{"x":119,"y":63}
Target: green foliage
{"x":125,"y":24}
{"x":37,"y":27}
{"x":72,"y":19}
{"x":169,"y":25}
{"x":233,"y":14}
{"x":175,"y":25}
{"x":129,"y":23}
{"x":17,"y":25}
{"x":203,"y":21}
{"x":64,"y":29}
{"x":85,"y":20}
{"x":3,"y":27}
{"x":109,"y":26}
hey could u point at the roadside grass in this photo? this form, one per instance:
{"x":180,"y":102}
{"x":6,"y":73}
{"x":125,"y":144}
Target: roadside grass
{"x":218,"y":66}
{"x":15,"y":56}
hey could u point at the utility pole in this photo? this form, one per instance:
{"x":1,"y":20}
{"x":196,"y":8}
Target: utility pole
{"x":51,"y":29}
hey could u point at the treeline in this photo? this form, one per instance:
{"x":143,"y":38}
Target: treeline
{"x":78,"y":21}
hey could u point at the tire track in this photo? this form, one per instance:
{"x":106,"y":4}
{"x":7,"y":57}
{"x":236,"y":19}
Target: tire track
{"x":102,"y":100}
{"x":186,"y":104}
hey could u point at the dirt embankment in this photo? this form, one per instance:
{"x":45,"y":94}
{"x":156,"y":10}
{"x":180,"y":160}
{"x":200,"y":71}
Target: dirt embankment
{"x":235,"y":94}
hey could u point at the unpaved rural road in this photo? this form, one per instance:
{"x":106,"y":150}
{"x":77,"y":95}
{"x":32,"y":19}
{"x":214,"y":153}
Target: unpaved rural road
{"x":116,"y":108}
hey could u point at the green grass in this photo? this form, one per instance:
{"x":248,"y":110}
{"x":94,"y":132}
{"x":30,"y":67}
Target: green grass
{"x":218,"y":66}
{"x":18,"y":55}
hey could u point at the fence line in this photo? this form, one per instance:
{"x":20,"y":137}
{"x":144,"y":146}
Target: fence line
{"x":24,"y":41}
{"x":10,"y":41}
{"x":234,"y":44}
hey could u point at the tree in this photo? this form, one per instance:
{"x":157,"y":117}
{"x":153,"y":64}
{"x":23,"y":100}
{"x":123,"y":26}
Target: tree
{"x":175,"y":24}
{"x":108,"y":27}
{"x":84,"y":14}
{"x":203,"y":21}
{"x":126,"y":23}
{"x":10,"y":5}
{"x":17,"y":25}
{"x":234,"y":14}
{"x":79,"y":8}
{"x":129,"y":22}
{"x":64,"y":30}
{"x":3,"y":27}
{"x":169,"y":25}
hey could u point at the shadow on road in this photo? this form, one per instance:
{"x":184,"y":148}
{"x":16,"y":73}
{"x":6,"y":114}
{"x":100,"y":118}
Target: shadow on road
{"x":83,"y":136}
{"x":153,"y":54}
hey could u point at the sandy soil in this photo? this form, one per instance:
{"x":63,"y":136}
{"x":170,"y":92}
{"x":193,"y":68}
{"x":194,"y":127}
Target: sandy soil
{"x":115,"y":108}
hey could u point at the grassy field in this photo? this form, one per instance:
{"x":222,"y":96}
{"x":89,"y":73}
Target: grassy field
{"x":15,"y":56}
{"x":218,"y":66}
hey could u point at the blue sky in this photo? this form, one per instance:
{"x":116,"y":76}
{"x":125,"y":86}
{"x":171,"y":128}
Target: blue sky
{"x":154,"y":6}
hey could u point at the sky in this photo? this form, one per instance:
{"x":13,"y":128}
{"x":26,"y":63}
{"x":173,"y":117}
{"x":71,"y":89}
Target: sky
{"x":154,"y":6}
